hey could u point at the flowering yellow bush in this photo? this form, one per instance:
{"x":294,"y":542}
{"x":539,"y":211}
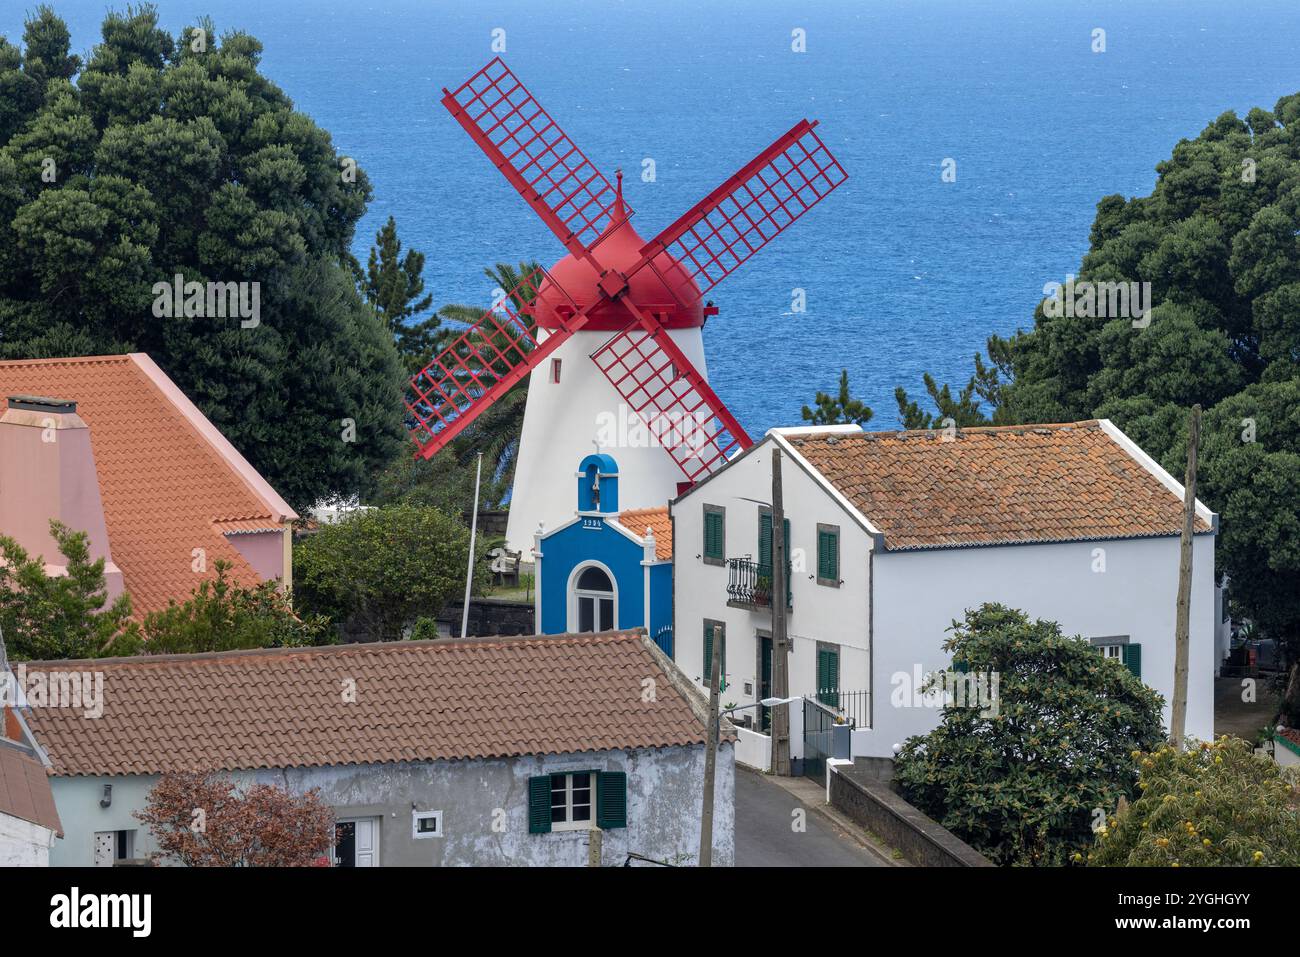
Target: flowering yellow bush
{"x":1216,"y":804}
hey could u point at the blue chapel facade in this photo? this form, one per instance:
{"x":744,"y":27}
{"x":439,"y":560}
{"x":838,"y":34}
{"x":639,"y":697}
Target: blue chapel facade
{"x":605,"y":569}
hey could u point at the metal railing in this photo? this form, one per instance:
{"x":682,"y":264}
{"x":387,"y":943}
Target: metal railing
{"x":749,"y":583}
{"x":851,"y":707}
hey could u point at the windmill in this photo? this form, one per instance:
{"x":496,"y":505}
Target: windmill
{"x":615,"y":326}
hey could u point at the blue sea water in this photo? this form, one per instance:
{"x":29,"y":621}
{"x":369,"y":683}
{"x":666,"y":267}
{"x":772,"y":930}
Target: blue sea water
{"x":903,"y":272}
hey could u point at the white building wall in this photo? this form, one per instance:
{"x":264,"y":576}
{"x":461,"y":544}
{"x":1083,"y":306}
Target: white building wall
{"x":24,"y":844}
{"x":561,"y":424}
{"x":919,"y":594}
{"x":819,"y":613}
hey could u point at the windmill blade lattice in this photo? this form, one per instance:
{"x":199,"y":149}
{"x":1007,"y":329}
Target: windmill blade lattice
{"x":571,"y":196}
{"x":483,"y":363}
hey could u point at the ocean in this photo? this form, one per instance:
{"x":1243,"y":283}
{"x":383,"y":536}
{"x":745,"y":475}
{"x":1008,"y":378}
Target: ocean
{"x":902,"y":271}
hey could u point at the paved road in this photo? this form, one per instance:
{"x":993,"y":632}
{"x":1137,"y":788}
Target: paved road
{"x":764,"y":837}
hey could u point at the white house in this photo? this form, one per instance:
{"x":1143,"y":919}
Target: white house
{"x":893,"y":535}
{"x":466,"y":752}
{"x":29,"y":823}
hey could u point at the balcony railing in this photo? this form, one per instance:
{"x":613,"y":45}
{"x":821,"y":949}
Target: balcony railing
{"x":750,"y":584}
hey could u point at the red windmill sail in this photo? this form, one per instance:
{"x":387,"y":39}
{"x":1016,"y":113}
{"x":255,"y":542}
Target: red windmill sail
{"x":581,"y":208}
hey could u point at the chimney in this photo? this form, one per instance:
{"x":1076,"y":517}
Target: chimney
{"x":47,"y":471}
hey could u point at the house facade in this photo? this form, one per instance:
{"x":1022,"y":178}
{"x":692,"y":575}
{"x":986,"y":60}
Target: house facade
{"x":29,"y":823}
{"x":893,"y":536}
{"x":110,"y":446}
{"x":483,"y":752}
{"x":605,"y":568}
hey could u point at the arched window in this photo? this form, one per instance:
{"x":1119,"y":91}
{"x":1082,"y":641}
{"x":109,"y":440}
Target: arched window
{"x":593,"y":602}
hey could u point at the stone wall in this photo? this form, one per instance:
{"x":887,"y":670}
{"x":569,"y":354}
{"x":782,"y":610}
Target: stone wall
{"x":880,"y":810}
{"x":490,"y":616}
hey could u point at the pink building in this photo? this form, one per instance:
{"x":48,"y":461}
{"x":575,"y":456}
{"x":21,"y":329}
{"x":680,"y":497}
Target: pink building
{"x":110,"y":446}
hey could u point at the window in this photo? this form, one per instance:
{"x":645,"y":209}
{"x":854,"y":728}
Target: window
{"x":711,"y":628}
{"x":577,"y":801}
{"x":828,"y":675}
{"x":1119,"y":648}
{"x":555,"y":371}
{"x":593,"y":607}
{"x":715,"y":535}
{"x":828,"y":555}
{"x":571,"y":801}
{"x":425,"y":824}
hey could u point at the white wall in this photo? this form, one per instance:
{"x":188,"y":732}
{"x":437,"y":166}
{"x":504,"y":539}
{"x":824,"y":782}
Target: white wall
{"x":919,"y":594}
{"x":818,"y":612}
{"x":24,"y":844}
{"x":561,"y":422}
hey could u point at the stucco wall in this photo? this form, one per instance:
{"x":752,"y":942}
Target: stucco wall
{"x":918,"y":594}
{"x":590,"y":539}
{"x":484,"y":805}
{"x":24,"y":844}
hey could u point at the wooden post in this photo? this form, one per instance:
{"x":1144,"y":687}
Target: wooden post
{"x":711,"y":753}
{"x":1178,"y":719}
{"x":780,"y":640}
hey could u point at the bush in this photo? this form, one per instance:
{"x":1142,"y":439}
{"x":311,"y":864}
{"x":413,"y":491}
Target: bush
{"x":1022,"y":785}
{"x":1215,"y":805}
{"x":377,"y":571}
{"x":221,"y":616}
{"x":64,"y":616}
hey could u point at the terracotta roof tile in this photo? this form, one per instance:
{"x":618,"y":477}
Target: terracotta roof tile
{"x":25,"y":789}
{"x":637,"y":520}
{"x":167,"y":487}
{"x":414,"y":701}
{"x":988,"y":486}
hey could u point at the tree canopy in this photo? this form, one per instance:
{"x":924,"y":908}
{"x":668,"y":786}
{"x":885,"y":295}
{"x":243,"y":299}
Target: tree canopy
{"x":1024,"y":780}
{"x":1218,"y":242}
{"x":163,"y":157}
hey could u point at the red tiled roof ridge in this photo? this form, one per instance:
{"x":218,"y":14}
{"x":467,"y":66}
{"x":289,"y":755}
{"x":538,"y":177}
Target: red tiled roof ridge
{"x":343,"y":649}
{"x":1038,"y":427}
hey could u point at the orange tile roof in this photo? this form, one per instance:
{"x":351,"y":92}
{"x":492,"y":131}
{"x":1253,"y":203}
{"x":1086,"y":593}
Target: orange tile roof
{"x":637,"y":520}
{"x":25,"y":789}
{"x":414,"y":701}
{"x":169,"y":481}
{"x":1000,"y":485}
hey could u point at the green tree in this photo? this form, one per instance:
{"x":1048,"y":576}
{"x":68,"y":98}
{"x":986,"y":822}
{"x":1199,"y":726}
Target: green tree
{"x":1216,"y":805}
{"x":377,"y":571}
{"x":65,"y":616}
{"x":393,"y":285}
{"x":166,"y":157}
{"x":1217,"y":242}
{"x":224,"y":616}
{"x":839,"y":409}
{"x":1022,"y":780}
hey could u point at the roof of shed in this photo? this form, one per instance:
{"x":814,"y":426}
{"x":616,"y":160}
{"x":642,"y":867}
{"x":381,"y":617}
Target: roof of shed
{"x":414,"y":701}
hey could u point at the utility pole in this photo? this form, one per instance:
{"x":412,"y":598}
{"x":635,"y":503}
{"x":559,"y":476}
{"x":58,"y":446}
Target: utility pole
{"x":711,"y":753}
{"x":473,"y":531}
{"x":780,"y":641}
{"x":1178,"y":720}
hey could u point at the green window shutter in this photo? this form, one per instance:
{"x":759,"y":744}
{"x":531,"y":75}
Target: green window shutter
{"x":1132,"y":658}
{"x":765,"y":544}
{"x":539,"y":804}
{"x":708,"y":653}
{"x":611,"y":799}
{"x":713,"y":546}
{"x":828,"y":677}
{"x":828,"y":556}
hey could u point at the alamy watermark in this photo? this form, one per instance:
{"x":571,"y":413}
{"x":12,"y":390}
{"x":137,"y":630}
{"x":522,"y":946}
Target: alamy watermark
{"x":209,"y":300}
{"x":942,"y":689}
{"x":34,"y":688}
{"x":1085,"y":299}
